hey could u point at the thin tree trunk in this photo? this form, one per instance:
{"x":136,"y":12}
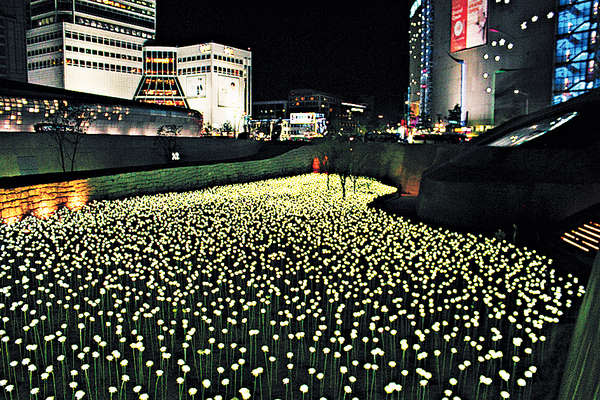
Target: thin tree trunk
{"x":61,"y":151}
{"x":75,"y":146}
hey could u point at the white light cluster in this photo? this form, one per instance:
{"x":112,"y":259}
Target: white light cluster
{"x":273,"y":289}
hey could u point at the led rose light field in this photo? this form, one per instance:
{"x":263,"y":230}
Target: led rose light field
{"x":278,"y":289}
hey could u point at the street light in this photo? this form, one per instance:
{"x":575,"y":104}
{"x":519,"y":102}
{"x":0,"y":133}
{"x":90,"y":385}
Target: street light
{"x":517,"y":91}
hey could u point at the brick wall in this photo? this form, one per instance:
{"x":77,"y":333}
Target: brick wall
{"x":491,"y":187}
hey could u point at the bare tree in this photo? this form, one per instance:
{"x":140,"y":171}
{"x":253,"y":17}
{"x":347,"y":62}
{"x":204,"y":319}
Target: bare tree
{"x":358,"y":160}
{"x":166,"y":137}
{"x":67,"y":126}
{"x":348,"y":161}
{"x":336,"y":158}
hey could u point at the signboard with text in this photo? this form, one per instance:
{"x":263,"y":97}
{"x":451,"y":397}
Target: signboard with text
{"x":468,"y":24}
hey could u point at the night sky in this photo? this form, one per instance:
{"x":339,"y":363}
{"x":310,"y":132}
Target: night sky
{"x":348,"y":50}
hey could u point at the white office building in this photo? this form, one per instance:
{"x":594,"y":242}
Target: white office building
{"x":97,"y":47}
{"x":92,"y":46}
{"x":211,"y":78}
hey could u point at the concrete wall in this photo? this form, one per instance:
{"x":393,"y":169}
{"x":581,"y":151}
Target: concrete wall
{"x":395,"y":164}
{"x":42,"y":200}
{"x":580,"y":377}
{"x":30,"y":153}
{"x":392,"y":163}
{"x":491,"y":187}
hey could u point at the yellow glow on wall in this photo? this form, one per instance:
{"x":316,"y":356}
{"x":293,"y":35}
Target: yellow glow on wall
{"x":43,"y":200}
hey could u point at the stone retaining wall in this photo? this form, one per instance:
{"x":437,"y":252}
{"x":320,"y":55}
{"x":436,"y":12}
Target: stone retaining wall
{"x":394,"y":164}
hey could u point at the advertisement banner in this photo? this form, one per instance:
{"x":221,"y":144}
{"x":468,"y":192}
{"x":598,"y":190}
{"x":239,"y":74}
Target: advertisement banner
{"x":196,"y":86}
{"x":229,"y":94}
{"x":468,"y":24}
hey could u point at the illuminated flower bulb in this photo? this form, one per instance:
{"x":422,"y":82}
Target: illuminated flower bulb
{"x":245,"y":393}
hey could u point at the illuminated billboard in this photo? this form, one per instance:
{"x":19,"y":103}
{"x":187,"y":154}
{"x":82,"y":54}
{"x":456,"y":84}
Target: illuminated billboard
{"x":307,"y":125}
{"x":469,"y":24}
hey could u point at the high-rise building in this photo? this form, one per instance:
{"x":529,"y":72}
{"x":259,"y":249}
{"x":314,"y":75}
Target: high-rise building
{"x":13,"y":60}
{"x":98,"y":47}
{"x":498,"y":59}
{"x":92,"y":46}
{"x":420,"y":50}
{"x":211,"y":78}
{"x":576,"y":51}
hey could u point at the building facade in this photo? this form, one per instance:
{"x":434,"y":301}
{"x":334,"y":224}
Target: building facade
{"x":341,"y":117}
{"x":89,"y":46}
{"x":275,"y":109}
{"x":576,"y":50}
{"x":13,"y":60}
{"x":28,"y":108}
{"x":211,"y":78}
{"x":497,"y":59}
{"x":420,"y":53}
{"x":98,"y":47}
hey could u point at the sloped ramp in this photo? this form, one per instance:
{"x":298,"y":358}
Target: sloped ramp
{"x":581,"y":378}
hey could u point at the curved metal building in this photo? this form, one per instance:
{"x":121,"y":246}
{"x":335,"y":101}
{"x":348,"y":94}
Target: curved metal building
{"x":22,"y":106}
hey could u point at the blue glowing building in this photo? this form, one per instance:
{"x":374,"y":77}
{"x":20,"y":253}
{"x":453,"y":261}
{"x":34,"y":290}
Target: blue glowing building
{"x":576,"y":56}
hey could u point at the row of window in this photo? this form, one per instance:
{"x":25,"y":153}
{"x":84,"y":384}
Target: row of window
{"x":165,"y":102}
{"x":228,"y":59}
{"x":49,"y":20}
{"x":47,"y":7}
{"x":194,"y":70}
{"x":206,"y":68}
{"x":53,"y":62}
{"x":119,"y":5}
{"x":103,"y":53}
{"x":113,"y":28}
{"x":45,"y":37}
{"x":104,"y":66}
{"x":45,"y":50}
{"x":115,"y":15}
{"x":104,"y":41}
{"x":149,"y":4}
{"x":194,"y":58}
